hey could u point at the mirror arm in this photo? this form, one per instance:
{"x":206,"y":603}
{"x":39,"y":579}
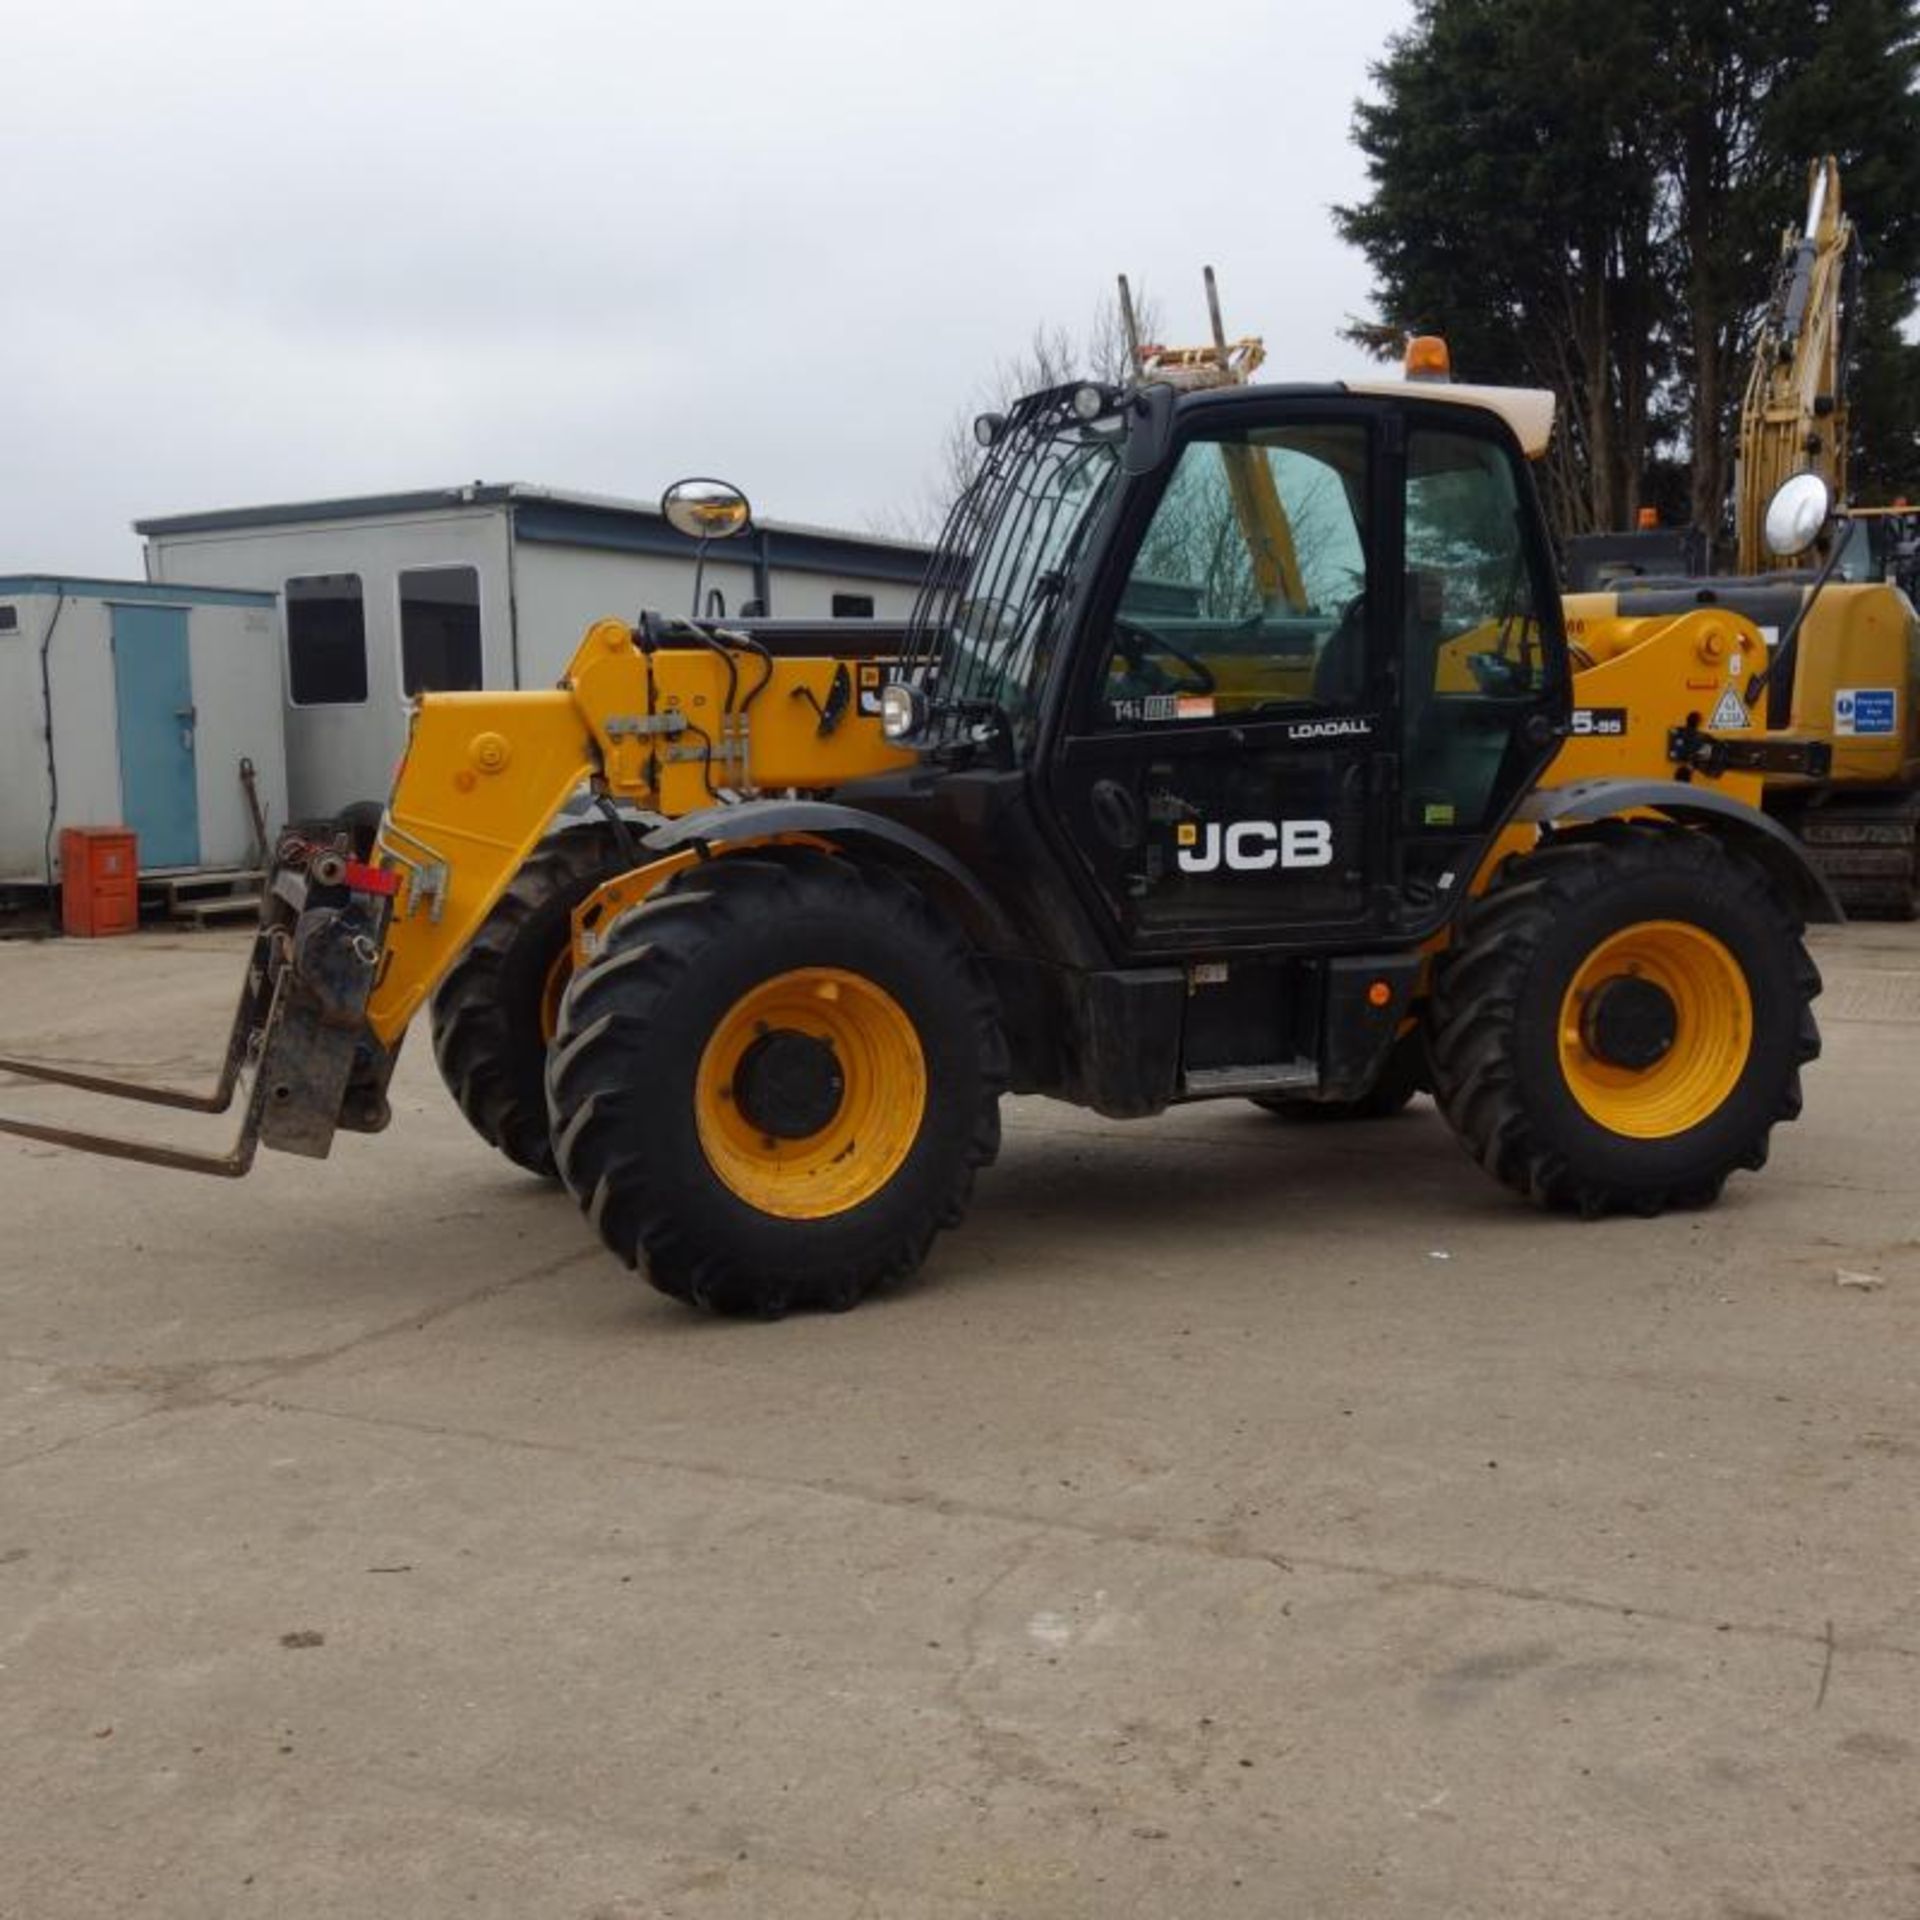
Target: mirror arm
{"x":1776,"y":680}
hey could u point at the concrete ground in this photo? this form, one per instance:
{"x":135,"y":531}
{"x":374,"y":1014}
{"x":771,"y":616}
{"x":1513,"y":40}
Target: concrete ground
{"x":1235,"y":1519}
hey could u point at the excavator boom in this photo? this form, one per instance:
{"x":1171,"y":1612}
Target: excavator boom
{"x":1794,"y":416}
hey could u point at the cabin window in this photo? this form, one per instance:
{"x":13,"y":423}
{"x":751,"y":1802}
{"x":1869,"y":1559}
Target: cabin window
{"x":440,"y":630}
{"x":326,"y":640}
{"x":853,"y":606}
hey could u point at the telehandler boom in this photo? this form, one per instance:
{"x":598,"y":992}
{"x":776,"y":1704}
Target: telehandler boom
{"x":1235,"y":748}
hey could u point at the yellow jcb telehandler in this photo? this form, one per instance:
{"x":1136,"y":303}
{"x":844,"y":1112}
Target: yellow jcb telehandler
{"x":1234,"y":749}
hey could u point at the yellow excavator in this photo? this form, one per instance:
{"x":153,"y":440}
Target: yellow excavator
{"x":1235,"y":748}
{"x":1842,"y":636}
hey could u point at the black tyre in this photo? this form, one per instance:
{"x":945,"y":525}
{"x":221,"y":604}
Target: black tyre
{"x":1623,"y":1021}
{"x":495,"y":1012}
{"x":1403,"y":1076}
{"x":776,"y":1082}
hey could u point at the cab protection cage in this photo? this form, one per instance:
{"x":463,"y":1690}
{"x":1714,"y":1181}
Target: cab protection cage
{"x":1004,"y":556}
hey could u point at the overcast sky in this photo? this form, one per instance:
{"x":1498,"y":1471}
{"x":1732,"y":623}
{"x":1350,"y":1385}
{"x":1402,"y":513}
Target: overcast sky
{"x":257,"y":253}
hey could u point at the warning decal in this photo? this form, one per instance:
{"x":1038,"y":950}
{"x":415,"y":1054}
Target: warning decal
{"x":1729,"y":715}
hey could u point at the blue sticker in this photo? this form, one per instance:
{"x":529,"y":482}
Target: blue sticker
{"x":1858,"y":710}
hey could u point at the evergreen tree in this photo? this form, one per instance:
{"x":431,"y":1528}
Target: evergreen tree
{"x":1592,"y":200}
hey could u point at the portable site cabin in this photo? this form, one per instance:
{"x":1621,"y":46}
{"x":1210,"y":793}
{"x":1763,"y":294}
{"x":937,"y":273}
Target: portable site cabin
{"x":384,"y":596}
{"x":123,"y":703}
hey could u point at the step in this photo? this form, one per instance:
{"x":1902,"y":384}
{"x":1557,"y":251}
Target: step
{"x":231,"y":906}
{"x":1286,"y":1076}
{"x":1859,"y":832}
{"x":214,"y":881}
{"x":1892,"y":863}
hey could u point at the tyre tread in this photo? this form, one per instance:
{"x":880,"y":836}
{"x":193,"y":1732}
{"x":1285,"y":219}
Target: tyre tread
{"x":475,"y":1033}
{"x":1481,"y":983}
{"x":612,"y":1004}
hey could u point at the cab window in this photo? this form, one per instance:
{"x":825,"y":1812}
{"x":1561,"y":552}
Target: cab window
{"x":1473,"y":642}
{"x":1473,"y":623}
{"x":1247,"y":593}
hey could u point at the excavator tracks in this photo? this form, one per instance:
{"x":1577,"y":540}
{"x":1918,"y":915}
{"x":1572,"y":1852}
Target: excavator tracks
{"x":1869,"y":850}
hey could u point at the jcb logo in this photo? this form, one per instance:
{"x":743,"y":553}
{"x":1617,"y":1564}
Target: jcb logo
{"x":1253,"y":846}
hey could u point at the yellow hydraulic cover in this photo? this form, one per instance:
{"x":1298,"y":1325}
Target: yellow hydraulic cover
{"x":670,"y":732}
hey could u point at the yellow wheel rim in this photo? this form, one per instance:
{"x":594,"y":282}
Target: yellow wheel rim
{"x":1709,"y":1028}
{"x":863,"y":1080}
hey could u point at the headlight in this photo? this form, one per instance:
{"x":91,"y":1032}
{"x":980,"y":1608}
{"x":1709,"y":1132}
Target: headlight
{"x":902,"y":709}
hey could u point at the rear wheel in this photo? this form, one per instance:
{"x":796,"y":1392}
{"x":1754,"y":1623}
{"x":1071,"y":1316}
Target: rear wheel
{"x":775,"y":1083}
{"x":1624,"y":1021}
{"x":498,"y":1007}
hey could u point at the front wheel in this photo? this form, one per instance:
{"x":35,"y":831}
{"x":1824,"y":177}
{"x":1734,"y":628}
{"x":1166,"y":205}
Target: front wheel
{"x":775,"y":1083}
{"x":1623,"y":1021}
{"x":495,"y":1012}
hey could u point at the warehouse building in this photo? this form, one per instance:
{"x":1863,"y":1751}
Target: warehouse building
{"x":385,"y":596}
{"x":126,"y":703}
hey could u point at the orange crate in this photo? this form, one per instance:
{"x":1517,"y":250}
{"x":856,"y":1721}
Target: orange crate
{"x":99,"y":880}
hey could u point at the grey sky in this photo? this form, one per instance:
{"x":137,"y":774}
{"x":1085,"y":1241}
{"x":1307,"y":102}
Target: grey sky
{"x":259,"y":253}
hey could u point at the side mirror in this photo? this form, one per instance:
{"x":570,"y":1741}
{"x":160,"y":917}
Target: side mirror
{"x":1796,"y":514}
{"x":1149,"y":429}
{"x":706,"y":509}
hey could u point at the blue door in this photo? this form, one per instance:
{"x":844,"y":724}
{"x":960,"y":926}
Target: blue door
{"x":153,"y":692}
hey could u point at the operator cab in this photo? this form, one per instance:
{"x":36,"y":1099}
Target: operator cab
{"x":1272,"y":664}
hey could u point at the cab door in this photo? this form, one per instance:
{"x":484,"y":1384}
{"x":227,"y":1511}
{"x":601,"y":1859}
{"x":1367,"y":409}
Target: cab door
{"x":1224,"y":772}
{"x":1482,"y":661}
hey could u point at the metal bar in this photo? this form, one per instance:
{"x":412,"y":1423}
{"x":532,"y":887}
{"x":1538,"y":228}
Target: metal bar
{"x":179,"y":1098}
{"x":217,"y":1101}
{"x":227,"y":1166}
{"x":1131,"y":325}
{"x":1213,"y":314}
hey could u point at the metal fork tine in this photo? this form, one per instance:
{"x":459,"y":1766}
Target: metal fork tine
{"x":229,"y":1165}
{"x":217,"y":1101}
{"x":182,"y":1099}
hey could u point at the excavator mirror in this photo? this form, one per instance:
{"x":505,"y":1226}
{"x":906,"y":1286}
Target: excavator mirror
{"x":1798,"y":511}
{"x":706,"y":509}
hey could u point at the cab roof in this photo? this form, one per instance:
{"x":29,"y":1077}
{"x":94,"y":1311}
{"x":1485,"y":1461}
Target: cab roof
{"x":1527,"y":411}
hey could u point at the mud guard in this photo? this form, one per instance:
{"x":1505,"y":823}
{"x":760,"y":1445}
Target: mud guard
{"x":950,"y":882}
{"x":1754,"y":832}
